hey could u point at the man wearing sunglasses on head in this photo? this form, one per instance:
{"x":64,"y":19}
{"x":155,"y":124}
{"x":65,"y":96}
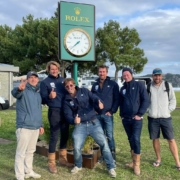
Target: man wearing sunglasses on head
{"x":79,"y":111}
{"x":52,"y":92}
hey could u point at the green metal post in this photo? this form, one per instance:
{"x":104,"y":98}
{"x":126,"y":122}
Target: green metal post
{"x":75,"y":67}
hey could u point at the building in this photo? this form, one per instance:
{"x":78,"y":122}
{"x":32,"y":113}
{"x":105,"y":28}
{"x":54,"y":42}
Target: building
{"x":6,"y":81}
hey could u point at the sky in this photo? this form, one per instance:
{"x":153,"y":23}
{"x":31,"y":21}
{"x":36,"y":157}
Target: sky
{"x":156,"y":21}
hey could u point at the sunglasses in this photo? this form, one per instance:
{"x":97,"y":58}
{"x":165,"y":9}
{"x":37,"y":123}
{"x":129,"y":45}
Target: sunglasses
{"x":69,"y":86}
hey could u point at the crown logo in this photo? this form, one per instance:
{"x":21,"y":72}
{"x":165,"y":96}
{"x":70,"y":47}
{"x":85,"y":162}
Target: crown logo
{"x":77,"y":10}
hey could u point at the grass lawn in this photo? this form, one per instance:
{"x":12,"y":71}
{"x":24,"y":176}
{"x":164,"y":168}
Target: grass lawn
{"x":166,"y":171}
{"x":178,"y":98}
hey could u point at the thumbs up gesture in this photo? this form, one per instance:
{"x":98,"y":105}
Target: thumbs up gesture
{"x":77,"y":119}
{"x":101,"y":105}
{"x":52,"y":94}
{"x":22,"y":85}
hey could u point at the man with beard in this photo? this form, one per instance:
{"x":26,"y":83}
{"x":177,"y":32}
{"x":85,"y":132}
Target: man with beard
{"x":162,"y":103}
{"x":107,"y":90}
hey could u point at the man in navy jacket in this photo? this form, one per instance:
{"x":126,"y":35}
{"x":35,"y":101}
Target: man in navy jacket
{"x":134,"y":101}
{"x":107,"y":90}
{"x":79,"y":110}
{"x":52,"y":92}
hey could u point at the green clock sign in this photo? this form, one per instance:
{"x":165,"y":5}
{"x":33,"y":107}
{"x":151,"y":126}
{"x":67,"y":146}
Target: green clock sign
{"x":76,"y":31}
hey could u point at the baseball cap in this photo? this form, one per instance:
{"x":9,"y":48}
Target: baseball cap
{"x":157,"y":71}
{"x":30,"y":73}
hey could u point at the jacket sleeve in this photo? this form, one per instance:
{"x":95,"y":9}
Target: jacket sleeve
{"x":92,"y":89}
{"x":44,"y":93}
{"x":68,"y":113}
{"x":94,"y":98}
{"x":172,"y":99}
{"x":144,"y":100}
{"x":115,"y":99}
{"x":121,"y":103}
{"x":16,"y":93}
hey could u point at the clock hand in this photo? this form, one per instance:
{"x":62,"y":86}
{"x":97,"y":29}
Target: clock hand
{"x":76,"y":44}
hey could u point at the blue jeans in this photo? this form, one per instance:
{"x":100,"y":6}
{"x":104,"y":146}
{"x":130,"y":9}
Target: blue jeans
{"x":107,"y":124}
{"x":133,"y":130}
{"x":81,"y":131}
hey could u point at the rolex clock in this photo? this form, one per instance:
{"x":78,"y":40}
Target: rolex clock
{"x":77,"y":42}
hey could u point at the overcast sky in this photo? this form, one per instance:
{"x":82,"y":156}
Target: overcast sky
{"x":157,"y":22}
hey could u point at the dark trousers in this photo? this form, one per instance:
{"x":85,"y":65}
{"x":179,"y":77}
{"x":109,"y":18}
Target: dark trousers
{"x":58,"y":127}
{"x":133,"y":130}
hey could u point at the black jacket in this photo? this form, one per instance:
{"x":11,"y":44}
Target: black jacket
{"x":109,"y":94}
{"x":82,"y":105}
{"x":134,"y":99}
{"x":46,"y":87}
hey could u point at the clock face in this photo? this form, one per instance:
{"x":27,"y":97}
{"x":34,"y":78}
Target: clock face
{"x":77,"y":42}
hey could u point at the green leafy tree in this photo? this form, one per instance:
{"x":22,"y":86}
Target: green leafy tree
{"x":5,"y":44}
{"x":120,"y":47}
{"x":35,"y":43}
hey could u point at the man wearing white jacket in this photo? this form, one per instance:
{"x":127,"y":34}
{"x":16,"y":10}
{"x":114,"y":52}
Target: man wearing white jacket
{"x":162,"y":103}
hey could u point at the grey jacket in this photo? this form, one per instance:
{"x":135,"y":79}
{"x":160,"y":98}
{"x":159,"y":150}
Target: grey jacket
{"x":160,"y":104}
{"x":28,"y":107}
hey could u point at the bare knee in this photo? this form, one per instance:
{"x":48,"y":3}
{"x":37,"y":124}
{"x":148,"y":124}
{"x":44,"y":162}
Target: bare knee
{"x":170,"y":141}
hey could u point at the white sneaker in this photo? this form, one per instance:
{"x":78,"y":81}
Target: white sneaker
{"x":32,"y":174}
{"x":112,"y":173}
{"x":75,"y":170}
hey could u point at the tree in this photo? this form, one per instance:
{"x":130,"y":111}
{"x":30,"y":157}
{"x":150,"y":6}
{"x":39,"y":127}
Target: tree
{"x":5,"y":44}
{"x":35,"y":42}
{"x":119,"y":47}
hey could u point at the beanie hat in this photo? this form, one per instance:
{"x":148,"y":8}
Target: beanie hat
{"x":127,"y":69}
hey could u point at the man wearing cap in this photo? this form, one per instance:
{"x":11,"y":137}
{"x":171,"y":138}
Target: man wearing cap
{"x":52,"y":92}
{"x":134,"y":102}
{"x":108,"y":91}
{"x":162,"y":103}
{"x":28,"y":125}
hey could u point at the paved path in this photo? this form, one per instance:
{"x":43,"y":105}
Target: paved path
{"x":5,"y":141}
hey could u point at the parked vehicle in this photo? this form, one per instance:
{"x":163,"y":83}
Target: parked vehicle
{"x":4,"y":103}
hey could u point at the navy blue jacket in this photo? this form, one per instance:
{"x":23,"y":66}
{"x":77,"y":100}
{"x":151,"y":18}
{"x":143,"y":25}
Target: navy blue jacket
{"x":28,"y":107}
{"x":109,"y":94}
{"x":46,"y":88}
{"x":82,"y":105}
{"x":134,"y":99}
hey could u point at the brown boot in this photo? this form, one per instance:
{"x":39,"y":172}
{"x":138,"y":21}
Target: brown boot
{"x":63,"y":158}
{"x":130,"y":165}
{"x":136,"y":161}
{"x":52,"y":162}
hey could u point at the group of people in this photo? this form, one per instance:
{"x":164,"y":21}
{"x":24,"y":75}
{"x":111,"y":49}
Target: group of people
{"x":91,"y":113}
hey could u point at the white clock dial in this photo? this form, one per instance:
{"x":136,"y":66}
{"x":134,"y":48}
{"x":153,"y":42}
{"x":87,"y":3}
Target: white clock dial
{"x":77,"y":42}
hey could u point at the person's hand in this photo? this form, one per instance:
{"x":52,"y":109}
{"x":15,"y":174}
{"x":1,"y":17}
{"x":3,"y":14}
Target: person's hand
{"x":52,"y":94}
{"x":108,"y":114}
{"x":41,"y":130}
{"x":22,"y":85}
{"x":101,"y":105}
{"x":136,"y":117}
{"x":77,"y":119}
